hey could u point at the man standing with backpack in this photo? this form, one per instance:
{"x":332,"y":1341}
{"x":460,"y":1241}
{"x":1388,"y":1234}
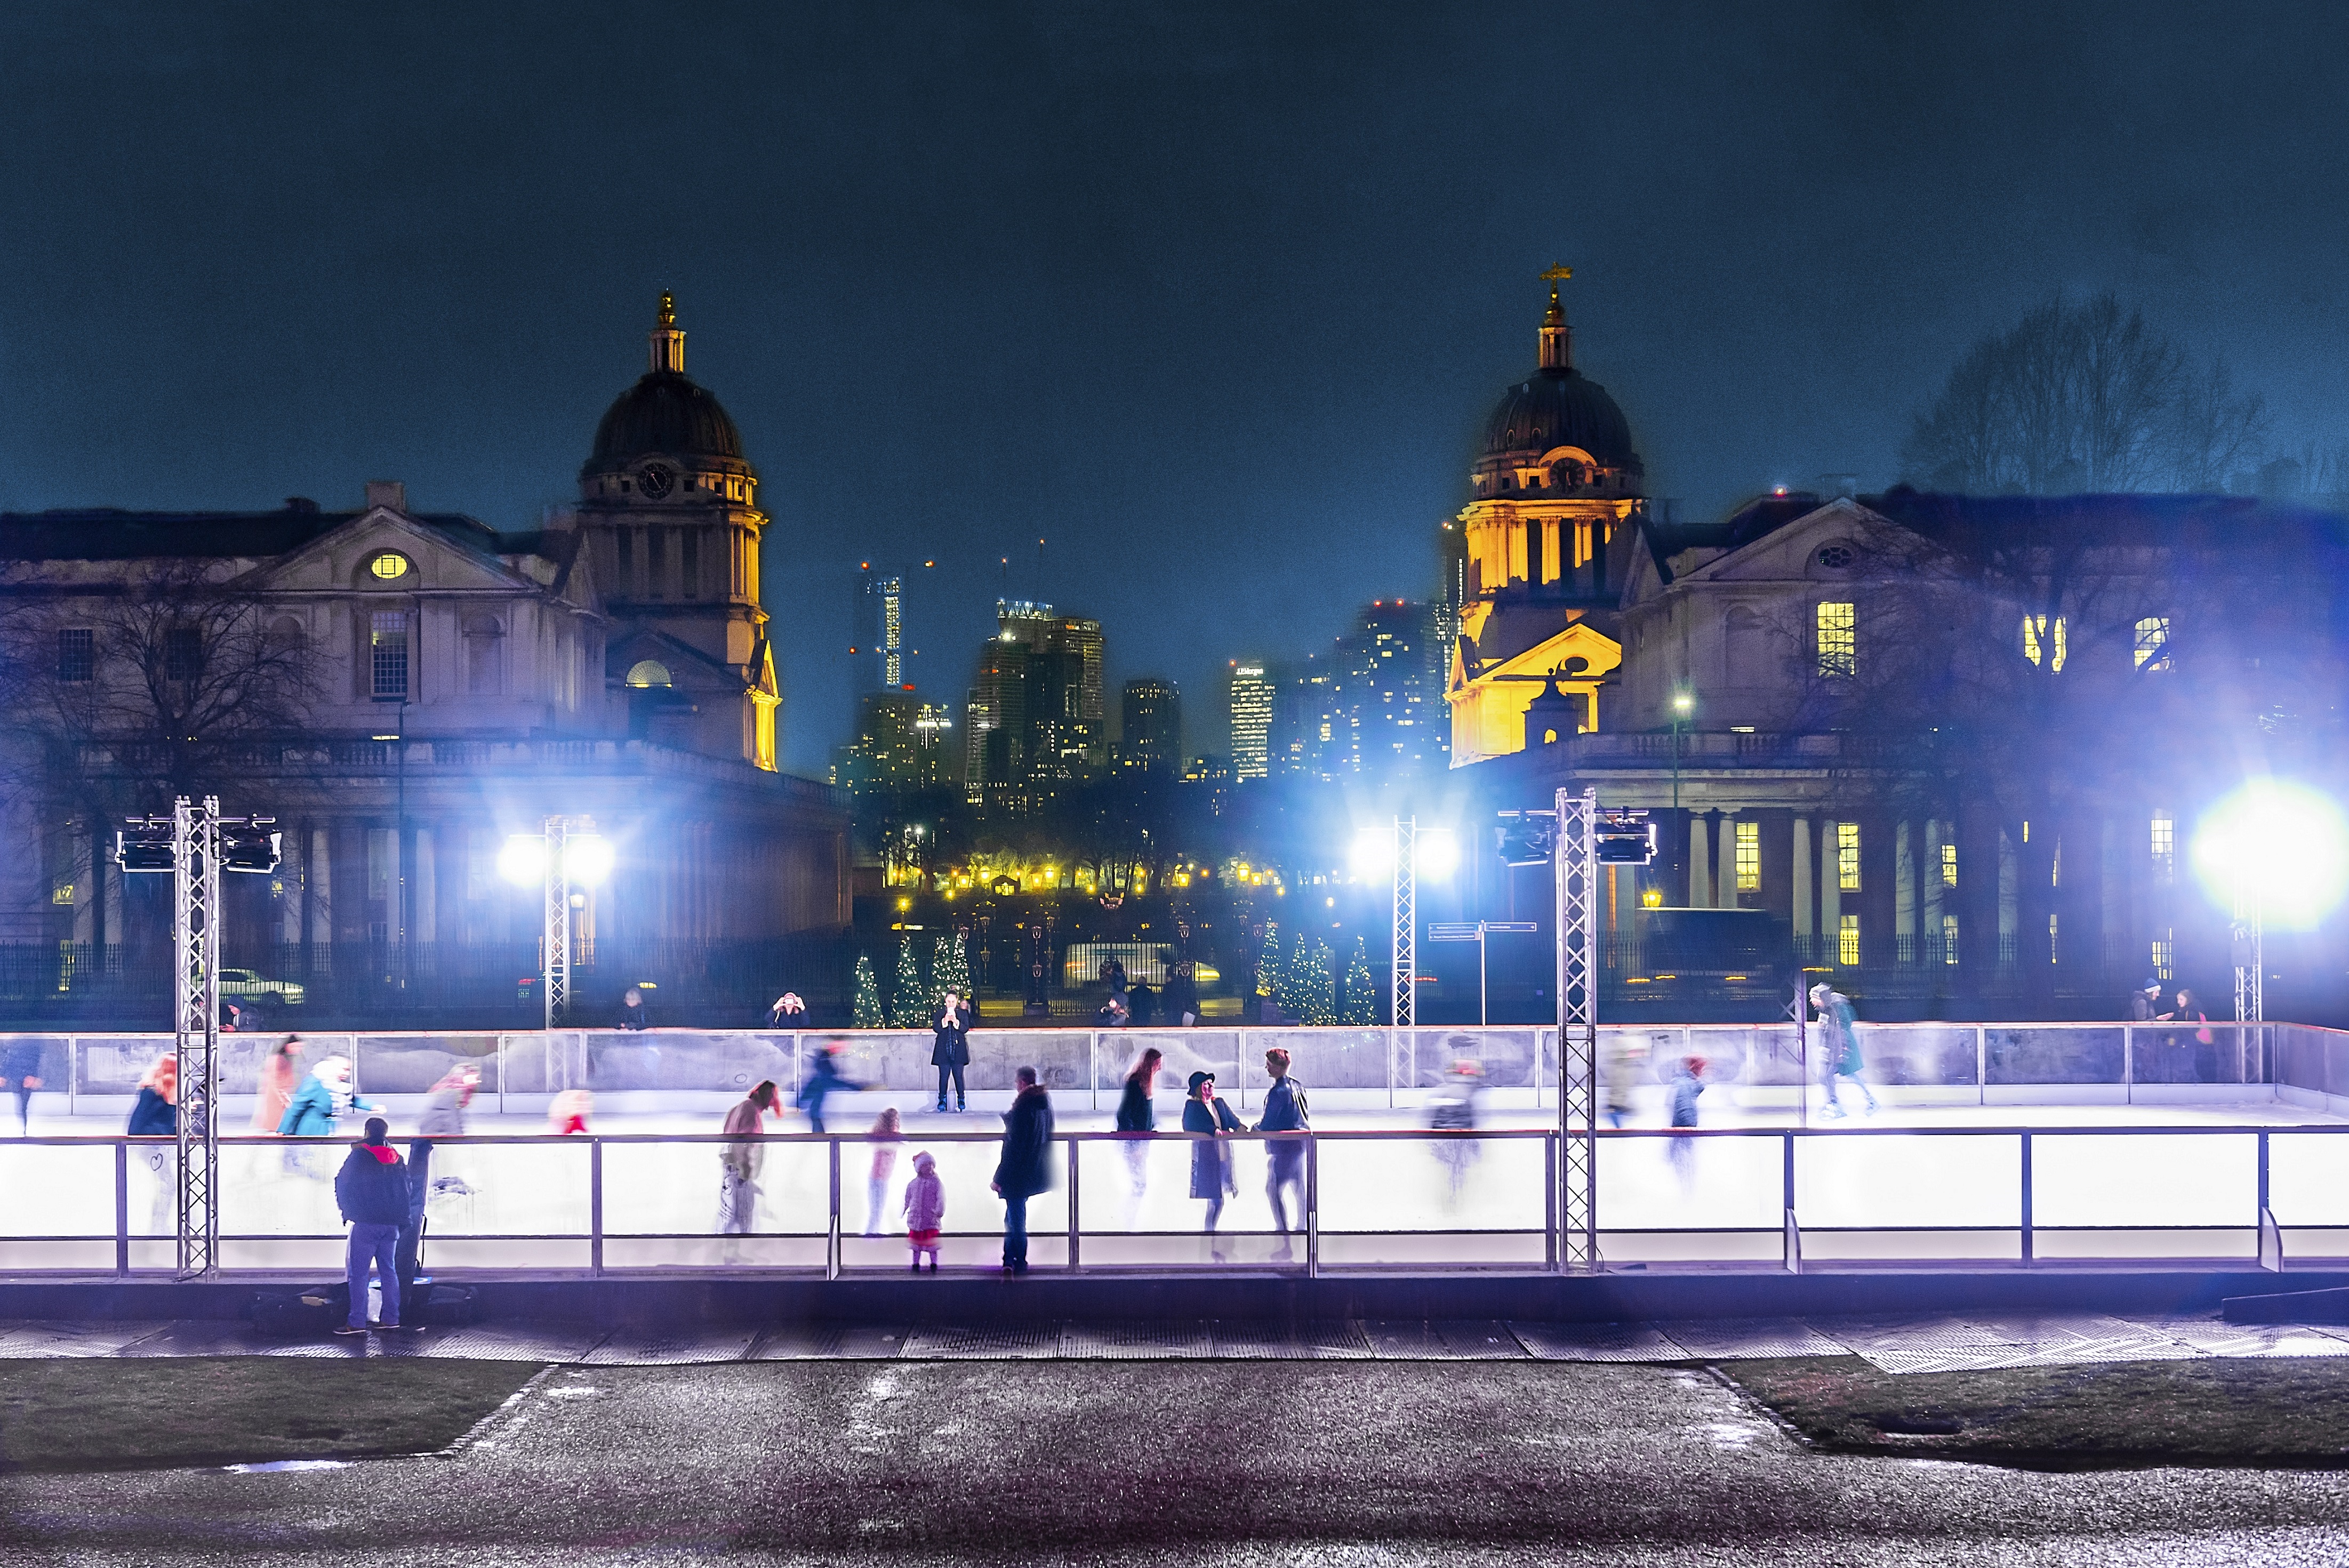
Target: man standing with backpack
{"x":371,"y":1189}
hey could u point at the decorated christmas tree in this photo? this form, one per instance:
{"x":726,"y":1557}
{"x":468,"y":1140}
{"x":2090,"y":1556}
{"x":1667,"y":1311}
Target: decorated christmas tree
{"x":1294,"y":993}
{"x":1361,"y":1005}
{"x":868,"y":995}
{"x":1316,"y":992}
{"x":909,"y":1002}
{"x":1267,"y":962}
{"x":950,"y":968}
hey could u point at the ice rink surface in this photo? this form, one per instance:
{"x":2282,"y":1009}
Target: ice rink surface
{"x":1913,"y":1180}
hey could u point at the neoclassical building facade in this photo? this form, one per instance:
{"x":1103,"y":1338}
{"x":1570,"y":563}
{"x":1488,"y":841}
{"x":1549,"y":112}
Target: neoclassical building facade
{"x":404,"y":690}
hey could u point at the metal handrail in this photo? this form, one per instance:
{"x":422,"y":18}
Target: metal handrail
{"x":1309,"y":1227}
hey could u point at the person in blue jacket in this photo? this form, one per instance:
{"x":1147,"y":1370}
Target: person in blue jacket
{"x":322,"y":1099}
{"x":824,"y":1078}
{"x":371,"y":1190}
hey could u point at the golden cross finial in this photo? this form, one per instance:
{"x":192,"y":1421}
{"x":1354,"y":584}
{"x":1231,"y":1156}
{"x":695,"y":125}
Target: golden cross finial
{"x":668,"y":308}
{"x":1558,"y":275}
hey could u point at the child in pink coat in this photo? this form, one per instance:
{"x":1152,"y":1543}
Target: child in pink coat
{"x":925,"y":1206}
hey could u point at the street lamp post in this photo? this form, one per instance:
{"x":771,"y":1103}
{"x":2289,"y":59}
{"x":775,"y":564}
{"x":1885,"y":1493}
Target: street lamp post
{"x":1682,"y":703}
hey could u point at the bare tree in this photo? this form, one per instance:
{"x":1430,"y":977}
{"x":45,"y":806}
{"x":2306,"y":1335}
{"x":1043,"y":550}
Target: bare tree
{"x":121,"y":698}
{"x":2082,"y":398}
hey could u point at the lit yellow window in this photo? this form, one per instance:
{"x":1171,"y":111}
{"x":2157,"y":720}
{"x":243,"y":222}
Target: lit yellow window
{"x":1949,"y":939}
{"x":1950,"y":866}
{"x":1848,"y":856}
{"x":2039,"y":646}
{"x":1749,"y":857}
{"x":1848,"y":939}
{"x":392,"y":565}
{"x":2164,"y":846}
{"x":1838,"y":640}
{"x":2153,"y":643}
{"x":2165,"y":952}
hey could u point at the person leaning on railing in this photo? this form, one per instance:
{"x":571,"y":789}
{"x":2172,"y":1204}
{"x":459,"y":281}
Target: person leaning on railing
{"x":1025,"y":1168}
{"x":1285,"y":1111}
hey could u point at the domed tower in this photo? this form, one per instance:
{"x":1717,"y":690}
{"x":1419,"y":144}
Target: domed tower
{"x":669,"y":509}
{"x":1533,"y":564}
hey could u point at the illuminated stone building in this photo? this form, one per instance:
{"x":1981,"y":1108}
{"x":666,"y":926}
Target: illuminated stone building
{"x":403,"y":690}
{"x":1534,"y":565}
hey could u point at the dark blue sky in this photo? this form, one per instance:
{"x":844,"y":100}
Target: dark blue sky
{"x":1212,"y":298}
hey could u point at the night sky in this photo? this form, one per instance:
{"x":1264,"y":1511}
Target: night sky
{"x":1213,"y":299}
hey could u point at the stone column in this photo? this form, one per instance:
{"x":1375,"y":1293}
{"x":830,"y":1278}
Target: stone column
{"x":1830,"y":893}
{"x":1700,"y":891}
{"x":1904,"y":890}
{"x":1803,"y":864}
{"x":1935,"y":833}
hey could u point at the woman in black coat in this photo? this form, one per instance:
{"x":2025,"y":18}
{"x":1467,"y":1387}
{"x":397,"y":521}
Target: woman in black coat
{"x":1211,"y":1176}
{"x":950,"y":1049}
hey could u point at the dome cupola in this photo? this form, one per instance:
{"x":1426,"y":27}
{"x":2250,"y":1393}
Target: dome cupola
{"x":1556,"y":406}
{"x":666,"y":415}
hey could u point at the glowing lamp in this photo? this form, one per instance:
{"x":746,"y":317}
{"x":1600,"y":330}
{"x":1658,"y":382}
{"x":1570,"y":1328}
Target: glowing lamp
{"x":2282,"y":848}
{"x":587,"y":859}
{"x":523,"y":861}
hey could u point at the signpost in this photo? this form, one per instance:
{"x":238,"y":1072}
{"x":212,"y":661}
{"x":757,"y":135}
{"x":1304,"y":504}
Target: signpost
{"x":1476,"y":932}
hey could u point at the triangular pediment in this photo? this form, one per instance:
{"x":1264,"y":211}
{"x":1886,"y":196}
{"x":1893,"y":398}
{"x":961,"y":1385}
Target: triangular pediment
{"x":1794,"y":552}
{"x":337,"y":559}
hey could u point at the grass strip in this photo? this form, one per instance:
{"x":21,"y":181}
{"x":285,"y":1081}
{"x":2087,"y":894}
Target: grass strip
{"x":2274,"y":1411}
{"x":137,"y":1413}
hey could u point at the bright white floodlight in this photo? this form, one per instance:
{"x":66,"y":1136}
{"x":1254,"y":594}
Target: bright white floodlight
{"x":587,"y":859}
{"x":523,"y":861}
{"x":2282,"y":850}
{"x":1437,"y":854}
{"x":1374,"y":854}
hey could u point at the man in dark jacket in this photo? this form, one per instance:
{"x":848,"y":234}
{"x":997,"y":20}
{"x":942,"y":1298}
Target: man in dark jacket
{"x":1026,"y":1167}
{"x":1285,"y":1111}
{"x":950,"y":1047}
{"x":371,"y":1189}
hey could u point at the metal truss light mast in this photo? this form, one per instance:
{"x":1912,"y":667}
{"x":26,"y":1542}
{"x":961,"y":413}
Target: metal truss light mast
{"x":556,"y":954}
{"x":195,"y":843}
{"x":1406,"y":921}
{"x":1576,"y":856}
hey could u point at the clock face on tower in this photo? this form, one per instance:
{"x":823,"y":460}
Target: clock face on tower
{"x":656,"y":480}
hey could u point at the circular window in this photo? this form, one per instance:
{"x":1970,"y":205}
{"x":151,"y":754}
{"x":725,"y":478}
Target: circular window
{"x":390,"y":566}
{"x":1837,"y":557}
{"x":648,"y":672}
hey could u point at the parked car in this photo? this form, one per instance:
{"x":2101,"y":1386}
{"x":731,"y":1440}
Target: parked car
{"x":237,"y":984}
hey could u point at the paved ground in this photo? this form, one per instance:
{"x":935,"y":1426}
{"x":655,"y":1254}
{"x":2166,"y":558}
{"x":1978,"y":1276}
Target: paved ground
{"x":1936,"y":1342}
{"x":1320,"y":1462}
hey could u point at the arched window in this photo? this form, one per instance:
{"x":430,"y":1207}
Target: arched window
{"x":648,"y":672}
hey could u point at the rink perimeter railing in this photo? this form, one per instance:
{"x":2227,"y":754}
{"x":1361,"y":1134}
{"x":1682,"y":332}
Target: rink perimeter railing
{"x":1928,"y":1063}
{"x":1414,"y":1200}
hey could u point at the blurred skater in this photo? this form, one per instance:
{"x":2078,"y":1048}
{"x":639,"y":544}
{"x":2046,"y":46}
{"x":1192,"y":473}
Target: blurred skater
{"x":568,"y":1113}
{"x":824,"y":1080}
{"x":1687,"y":1083}
{"x":155,"y":1114}
{"x":20,"y":1073}
{"x":1618,"y":1073}
{"x":950,"y":1045}
{"x":324,"y":1097}
{"x":740,"y":1163}
{"x":444,"y":1117}
{"x":1137,"y":1119}
{"x":1025,"y":1168}
{"x":1285,"y":1111}
{"x":885,"y":1136}
{"x":925,"y":1210}
{"x":1211,"y":1176}
{"x":281,"y":1070}
{"x":1841,"y":1028}
{"x":1453,"y":1110}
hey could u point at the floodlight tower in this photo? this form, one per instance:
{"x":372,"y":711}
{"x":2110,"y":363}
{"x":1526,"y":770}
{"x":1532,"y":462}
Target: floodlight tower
{"x":567,"y":850}
{"x":1406,"y":921}
{"x":1587,"y":838}
{"x":195,"y":843}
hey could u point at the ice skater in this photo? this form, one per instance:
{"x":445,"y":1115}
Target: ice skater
{"x":1285,"y":1111}
{"x":1212,"y":1179}
{"x":885,"y":1136}
{"x":20,"y":1072}
{"x":1137,"y":1123}
{"x":1841,"y":1028}
{"x":824,"y":1079}
{"x":1687,"y":1083}
{"x":739,"y":1162}
{"x":1453,"y":1110}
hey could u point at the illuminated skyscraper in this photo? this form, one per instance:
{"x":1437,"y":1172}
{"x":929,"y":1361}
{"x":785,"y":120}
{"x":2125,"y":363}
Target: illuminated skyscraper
{"x":880,"y":634}
{"x":1034,"y":717}
{"x":1251,"y":721}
